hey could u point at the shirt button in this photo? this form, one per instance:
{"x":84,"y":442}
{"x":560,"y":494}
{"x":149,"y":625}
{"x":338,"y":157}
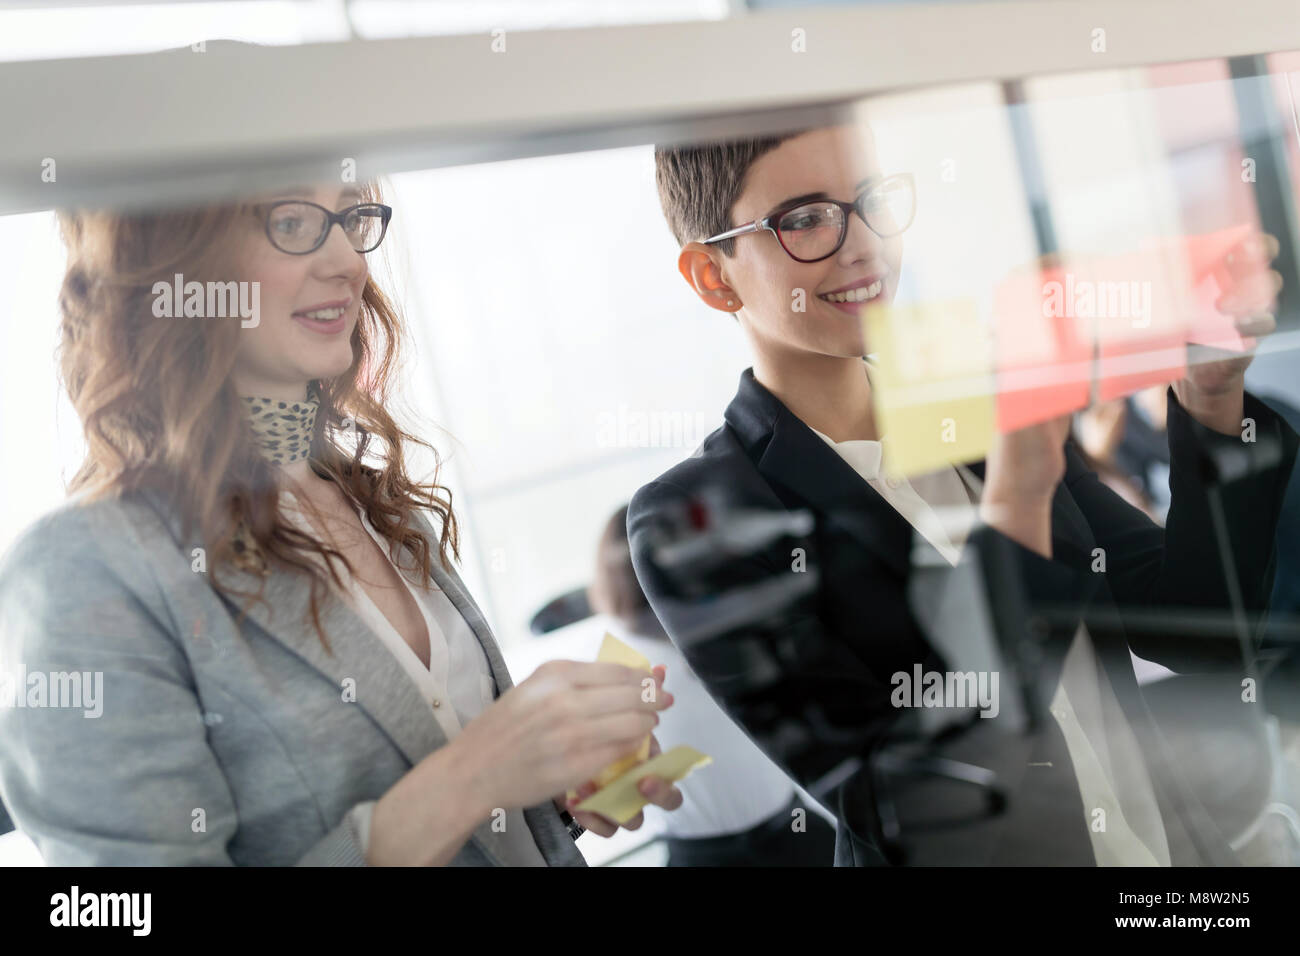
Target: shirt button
{"x":437,"y":703}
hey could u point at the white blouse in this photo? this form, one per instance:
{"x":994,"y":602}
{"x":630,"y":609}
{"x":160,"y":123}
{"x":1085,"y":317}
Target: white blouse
{"x":457,"y":685}
{"x":937,"y":504}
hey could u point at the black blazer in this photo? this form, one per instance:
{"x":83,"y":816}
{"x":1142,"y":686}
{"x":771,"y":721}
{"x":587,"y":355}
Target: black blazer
{"x":803,"y":661}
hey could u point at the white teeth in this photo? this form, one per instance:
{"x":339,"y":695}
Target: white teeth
{"x":856,"y":295}
{"x":324,"y":315}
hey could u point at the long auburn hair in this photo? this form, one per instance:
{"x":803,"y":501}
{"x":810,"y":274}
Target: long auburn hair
{"x":160,"y":413}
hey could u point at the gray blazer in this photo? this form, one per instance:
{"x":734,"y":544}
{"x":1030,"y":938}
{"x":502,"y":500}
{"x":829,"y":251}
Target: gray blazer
{"x":219,"y":742}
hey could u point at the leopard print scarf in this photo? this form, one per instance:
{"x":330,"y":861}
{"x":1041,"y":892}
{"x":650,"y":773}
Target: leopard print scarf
{"x":282,"y":429}
{"x":283,"y":432}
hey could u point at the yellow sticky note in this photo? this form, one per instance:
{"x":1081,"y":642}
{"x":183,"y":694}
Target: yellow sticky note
{"x":933,"y":385}
{"x":614,"y":651}
{"x":621,"y":800}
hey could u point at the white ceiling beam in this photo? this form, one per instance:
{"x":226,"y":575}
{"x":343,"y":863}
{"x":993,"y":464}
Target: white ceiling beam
{"x":181,"y":125}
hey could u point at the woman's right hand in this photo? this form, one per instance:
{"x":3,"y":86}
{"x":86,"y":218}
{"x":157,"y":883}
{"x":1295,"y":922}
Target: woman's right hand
{"x":553,"y":732}
{"x":1029,"y":462}
{"x":558,"y":729}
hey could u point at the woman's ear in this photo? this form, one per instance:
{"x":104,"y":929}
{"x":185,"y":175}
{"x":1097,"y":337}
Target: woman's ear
{"x":699,"y":267}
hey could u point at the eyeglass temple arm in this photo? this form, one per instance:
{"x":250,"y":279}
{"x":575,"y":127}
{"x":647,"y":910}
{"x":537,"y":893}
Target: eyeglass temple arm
{"x":756,"y":226}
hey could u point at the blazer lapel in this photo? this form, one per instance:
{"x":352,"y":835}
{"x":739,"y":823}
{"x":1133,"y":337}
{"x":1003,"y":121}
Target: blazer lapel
{"x":450,"y":584}
{"x":807,"y":472}
{"x":357,"y":655}
{"x":384,"y":690}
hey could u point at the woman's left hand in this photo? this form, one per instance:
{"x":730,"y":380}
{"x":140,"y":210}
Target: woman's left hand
{"x":658,"y":791}
{"x":655,"y":789}
{"x":1249,"y":297}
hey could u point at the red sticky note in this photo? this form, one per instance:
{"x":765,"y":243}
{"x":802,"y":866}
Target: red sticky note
{"x":1135,"y":313}
{"x":1043,"y":362}
{"x":1128,"y":364}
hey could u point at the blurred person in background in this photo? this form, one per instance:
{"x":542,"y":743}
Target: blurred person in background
{"x":744,"y":811}
{"x":1125,"y":441}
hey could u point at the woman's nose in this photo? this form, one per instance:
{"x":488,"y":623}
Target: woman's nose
{"x":861,"y":242}
{"x":337,"y":255}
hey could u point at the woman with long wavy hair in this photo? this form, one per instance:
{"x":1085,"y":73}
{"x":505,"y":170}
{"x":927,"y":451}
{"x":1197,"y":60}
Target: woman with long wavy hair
{"x":242,"y":641}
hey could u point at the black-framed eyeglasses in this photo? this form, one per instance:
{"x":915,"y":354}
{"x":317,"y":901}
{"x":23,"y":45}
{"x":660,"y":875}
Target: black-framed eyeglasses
{"x":815,"y":230}
{"x":298,"y":227}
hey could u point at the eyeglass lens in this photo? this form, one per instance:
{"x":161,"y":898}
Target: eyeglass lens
{"x":299,"y":227}
{"x":814,"y":230}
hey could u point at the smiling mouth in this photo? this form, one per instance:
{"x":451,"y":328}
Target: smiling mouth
{"x":862,"y":294}
{"x":322,"y":315}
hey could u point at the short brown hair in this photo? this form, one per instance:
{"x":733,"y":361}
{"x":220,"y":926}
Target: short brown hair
{"x":699,"y":184}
